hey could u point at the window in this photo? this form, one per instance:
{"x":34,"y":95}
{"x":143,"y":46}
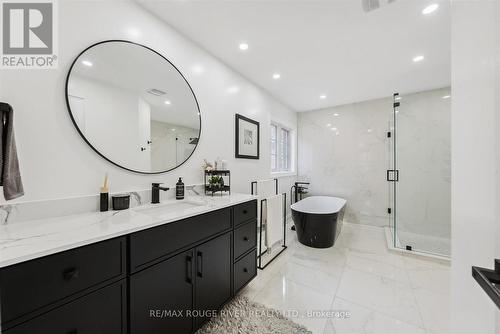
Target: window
{"x":280,"y":149}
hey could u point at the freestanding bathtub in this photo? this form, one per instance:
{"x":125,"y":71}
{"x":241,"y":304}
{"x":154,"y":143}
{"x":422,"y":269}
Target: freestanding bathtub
{"x":318,"y":220}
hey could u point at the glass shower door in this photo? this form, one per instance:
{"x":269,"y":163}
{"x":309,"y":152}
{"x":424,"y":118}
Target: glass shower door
{"x":420,"y":179}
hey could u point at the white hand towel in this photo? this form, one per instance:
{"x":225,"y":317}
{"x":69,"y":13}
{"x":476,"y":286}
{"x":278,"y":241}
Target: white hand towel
{"x":266,"y":188}
{"x":274,"y":220}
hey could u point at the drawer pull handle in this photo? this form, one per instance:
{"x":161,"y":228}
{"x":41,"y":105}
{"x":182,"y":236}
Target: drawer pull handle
{"x":200,"y":264}
{"x":245,"y":212}
{"x":70,"y":274}
{"x":245,"y":270}
{"x":245,"y":238}
{"x":189,"y":269}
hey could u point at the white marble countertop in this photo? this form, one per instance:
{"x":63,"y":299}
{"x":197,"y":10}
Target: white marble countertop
{"x":29,"y":240}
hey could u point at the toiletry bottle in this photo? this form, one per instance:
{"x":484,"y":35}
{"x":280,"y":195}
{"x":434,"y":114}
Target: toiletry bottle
{"x":179,"y":189}
{"x":104,"y":200}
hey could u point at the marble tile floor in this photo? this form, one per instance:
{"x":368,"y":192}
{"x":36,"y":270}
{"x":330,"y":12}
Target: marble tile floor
{"x":366,"y":288}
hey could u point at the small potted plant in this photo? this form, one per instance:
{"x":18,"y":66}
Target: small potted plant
{"x":215,"y":183}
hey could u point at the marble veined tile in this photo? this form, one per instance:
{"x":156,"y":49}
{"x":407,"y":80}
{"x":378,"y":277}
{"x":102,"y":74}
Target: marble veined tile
{"x":378,"y":268}
{"x":434,"y":308}
{"x":330,"y":260}
{"x":369,"y":243}
{"x":429,"y":275}
{"x":363,"y":320}
{"x":319,"y":280}
{"x":286,"y":295}
{"x":379,"y":293}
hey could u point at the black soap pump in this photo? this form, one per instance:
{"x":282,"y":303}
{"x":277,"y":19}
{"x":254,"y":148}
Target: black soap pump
{"x":179,"y":189}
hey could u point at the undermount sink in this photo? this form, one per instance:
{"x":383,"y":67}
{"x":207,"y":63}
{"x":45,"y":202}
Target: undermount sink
{"x":169,"y":208}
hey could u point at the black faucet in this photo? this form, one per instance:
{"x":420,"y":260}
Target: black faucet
{"x":298,"y":190}
{"x":155,"y":192}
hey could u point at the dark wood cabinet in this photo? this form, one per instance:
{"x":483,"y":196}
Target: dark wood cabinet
{"x":34,"y":285}
{"x":245,"y":270}
{"x":161,"y":296}
{"x":213,"y":276}
{"x":100,"y":312}
{"x":153,"y":245}
{"x":166,"y":279}
{"x":245,"y":238}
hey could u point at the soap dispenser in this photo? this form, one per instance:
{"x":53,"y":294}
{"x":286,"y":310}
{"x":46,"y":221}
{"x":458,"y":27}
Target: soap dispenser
{"x":104,"y":198}
{"x":179,"y":189}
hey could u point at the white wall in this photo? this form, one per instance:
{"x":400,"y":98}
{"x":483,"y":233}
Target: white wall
{"x":167,"y":151}
{"x":56,"y":163}
{"x":113,"y":120}
{"x":475,"y":180}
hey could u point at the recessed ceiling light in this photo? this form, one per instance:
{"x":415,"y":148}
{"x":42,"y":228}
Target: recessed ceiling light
{"x":328,"y":125}
{"x":173,"y":129}
{"x":417,"y":59}
{"x":334,"y":129}
{"x":168,"y":102}
{"x":322,"y":96}
{"x":197,"y":69}
{"x":87,"y":63}
{"x":446,"y":97}
{"x":430,"y":9}
{"x":276,"y":76}
{"x":243,"y":46}
{"x":133,"y":32}
{"x":336,"y":114}
{"x":233,"y":89}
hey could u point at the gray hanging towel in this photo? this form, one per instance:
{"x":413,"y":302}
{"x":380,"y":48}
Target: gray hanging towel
{"x":10,"y":176}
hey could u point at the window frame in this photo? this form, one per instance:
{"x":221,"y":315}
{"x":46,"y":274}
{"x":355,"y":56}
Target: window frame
{"x":281,"y":149}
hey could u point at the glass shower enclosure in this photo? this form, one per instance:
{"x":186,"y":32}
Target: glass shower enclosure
{"x":419,"y":173}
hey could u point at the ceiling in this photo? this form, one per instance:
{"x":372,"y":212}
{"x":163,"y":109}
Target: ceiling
{"x":139,"y":72}
{"x":321,"y":47}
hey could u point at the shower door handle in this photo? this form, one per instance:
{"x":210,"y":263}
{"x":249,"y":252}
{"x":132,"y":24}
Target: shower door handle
{"x":489,"y":280}
{"x":392,"y":175}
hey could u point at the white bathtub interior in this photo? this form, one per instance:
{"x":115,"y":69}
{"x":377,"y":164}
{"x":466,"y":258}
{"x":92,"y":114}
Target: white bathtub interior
{"x":319,"y":205}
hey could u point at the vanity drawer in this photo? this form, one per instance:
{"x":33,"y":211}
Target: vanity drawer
{"x":150,"y":245}
{"x":245,"y":238}
{"x":244,"y":212}
{"x":101,"y":312}
{"x":245,"y":270}
{"x":29,"y":286}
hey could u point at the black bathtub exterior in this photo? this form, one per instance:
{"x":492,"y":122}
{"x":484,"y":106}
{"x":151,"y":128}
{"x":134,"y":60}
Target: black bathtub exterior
{"x":318,"y":230}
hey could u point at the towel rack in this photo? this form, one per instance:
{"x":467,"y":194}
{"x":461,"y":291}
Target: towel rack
{"x":255,"y":183}
{"x":284,"y":246}
{"x":489,"y":280}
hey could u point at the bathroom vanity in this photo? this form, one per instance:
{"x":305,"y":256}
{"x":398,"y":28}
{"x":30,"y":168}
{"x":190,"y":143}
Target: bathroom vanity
{"x":157,"y":269}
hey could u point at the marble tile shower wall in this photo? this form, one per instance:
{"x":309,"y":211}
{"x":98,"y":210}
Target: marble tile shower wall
{"x":344,"y":151}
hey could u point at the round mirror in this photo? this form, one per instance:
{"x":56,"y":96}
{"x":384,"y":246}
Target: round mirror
{"x":133,"y":107}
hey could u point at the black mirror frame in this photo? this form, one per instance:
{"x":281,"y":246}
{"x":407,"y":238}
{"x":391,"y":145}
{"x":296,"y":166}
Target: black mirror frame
{"x":86,"y":140}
